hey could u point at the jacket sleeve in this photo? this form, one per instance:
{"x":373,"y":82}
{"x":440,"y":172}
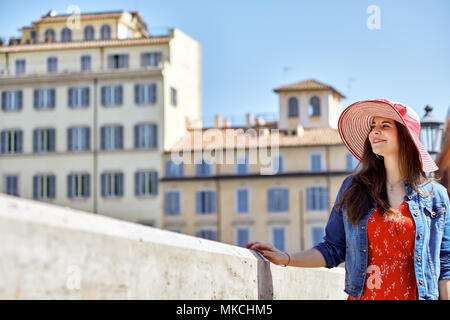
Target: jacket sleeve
{"x":333,"y":245}
{"x":445,"y":245}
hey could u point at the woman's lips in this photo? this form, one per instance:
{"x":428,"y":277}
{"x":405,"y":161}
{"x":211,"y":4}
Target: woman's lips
{"x":378,"y":141}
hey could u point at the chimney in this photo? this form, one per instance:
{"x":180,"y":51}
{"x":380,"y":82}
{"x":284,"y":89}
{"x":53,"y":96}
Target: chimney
{"x":248,"y":120}
{"x":226,"y":123}
{"x":217,"y":121}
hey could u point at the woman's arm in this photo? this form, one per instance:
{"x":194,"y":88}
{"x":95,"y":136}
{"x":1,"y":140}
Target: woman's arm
{"x":444,"y":289}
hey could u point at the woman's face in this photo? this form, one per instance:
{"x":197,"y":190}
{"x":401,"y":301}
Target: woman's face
{"x":383,"y":137}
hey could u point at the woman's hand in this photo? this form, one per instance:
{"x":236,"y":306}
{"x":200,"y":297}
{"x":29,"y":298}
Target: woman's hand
{"x":269,"y":252}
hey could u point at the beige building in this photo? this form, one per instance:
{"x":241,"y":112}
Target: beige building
{"x":238,"y":184}
{"x":89,"y":103}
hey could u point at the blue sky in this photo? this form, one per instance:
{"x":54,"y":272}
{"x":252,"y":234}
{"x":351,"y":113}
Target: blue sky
{"x":248,"y":44}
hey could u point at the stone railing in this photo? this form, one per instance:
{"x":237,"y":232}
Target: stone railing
{"x":53,"y":252}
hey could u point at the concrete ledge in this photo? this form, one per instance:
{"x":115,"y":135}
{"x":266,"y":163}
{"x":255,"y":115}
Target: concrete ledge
{"x":53,"y":252}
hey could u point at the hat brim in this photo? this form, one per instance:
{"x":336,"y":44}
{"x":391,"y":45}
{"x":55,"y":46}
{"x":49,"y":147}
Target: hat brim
{"x":354,"y":127}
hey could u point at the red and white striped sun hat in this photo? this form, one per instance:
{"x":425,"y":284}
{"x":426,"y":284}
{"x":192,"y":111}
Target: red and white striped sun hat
{"x":354,"y":126}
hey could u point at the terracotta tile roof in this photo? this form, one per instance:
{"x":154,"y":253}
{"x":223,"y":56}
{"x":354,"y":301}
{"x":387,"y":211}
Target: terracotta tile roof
{"x":239,"y":138}
{"x":84,"y":44}
{"x":307,"y":85}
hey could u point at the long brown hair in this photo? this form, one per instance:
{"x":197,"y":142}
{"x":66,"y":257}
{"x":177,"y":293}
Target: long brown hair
{"x":369,"y":180}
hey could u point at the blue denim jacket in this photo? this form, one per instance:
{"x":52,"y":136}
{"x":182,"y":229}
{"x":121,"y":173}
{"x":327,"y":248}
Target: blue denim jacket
{"x":344,"y":241}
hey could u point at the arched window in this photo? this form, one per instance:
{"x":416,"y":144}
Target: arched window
{"x":89,"y":33}
{"x":66,"y":35}
{"x":293,"y":107}
{"x":105,"y":32}
{"x":49,"y":35}
{"x":314,"y":107}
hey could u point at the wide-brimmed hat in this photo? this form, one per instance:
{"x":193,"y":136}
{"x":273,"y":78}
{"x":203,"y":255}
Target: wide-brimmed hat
{"x":355,"y":121}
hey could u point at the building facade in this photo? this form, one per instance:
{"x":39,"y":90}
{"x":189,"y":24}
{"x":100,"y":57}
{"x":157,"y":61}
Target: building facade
{"x":239,"y":184}
{"x":88,"y":109}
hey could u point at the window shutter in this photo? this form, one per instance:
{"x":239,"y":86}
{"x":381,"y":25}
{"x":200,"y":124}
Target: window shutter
{"x":70,"y":97}
{"x":69,"y":186}
{"x":137,"y":99}
{"x":119,"y":95}
{"x":51,"y":132}
{"x":154,"y":131}
{"x":69,"y":139}
{"x":19,"y":141}
{"x":137,"y":183}
{"x":19,"y":99}
{"x":154,"y":177}
{"x":213,"y":202}
{"x":166,"y":203}
{"x":87,"y":185}
{"x":3,"y":100}
{"x":36,"y":98}
{"x":35,"y":187}
{"x":119,"y":141}
{"x":85,"y":97}
{"x":52,"y":181}
{"x":87,"y":144}
{"x":136,"y":136}
{"x":35,"y":140}
{"x":198,"y":202}
{"x":102,"y":138}
{"x":4,"y":140}
{"x":124,"y":60}
{"x":285,"y":194}
{"x":152,"y":93}
{"x":103,"y":179}
{"x":52,"y":98}
{"x":119,"y":176}
{"x":103,"y":96}
{"x":110,"y":60}
{"x":270,"y":200}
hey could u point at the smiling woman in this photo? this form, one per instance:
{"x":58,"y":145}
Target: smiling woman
{"x":372,"y":226}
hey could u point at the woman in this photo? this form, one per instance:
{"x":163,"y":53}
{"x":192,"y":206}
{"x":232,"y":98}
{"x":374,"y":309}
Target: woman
{"x":390,"y":224}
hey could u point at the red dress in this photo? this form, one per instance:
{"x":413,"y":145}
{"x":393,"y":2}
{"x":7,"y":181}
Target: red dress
{"x":390,"y":271}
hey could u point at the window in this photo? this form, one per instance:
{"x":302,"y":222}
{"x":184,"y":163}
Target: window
{"x":242,"y":236}
{"x":66,"y":35}
{"x":207,"y":234}
{"x":242,"y":166}
{"x":145,"y":93}
{"x":11,"y":141}
{"x":49,"y":35}
{"x":173,"y":96}
{"x":145,"y":136}
{"x":206,"y":202}
{"x":151,"y":59}
{"x":78,"y":139}
{"x":44,"y":140}
{"x":242,"y":201}
{"x":278,"y":200}
{"x":293,"y":107}
{"x":316,"y":162}
{"x":112,"y":95}
{"x":12,"y":185}
{"x":12,"y":100}
{"x":89,"y":33}
{"x":279,"y":238}
{"x":52,"y":64}
{"x":203,"y":169}
{"x":78,"y":97}
{"x":112,"y":184}
{"x":44,"y":98}
{"x":146,"y":183}
{"x":78,"y":185}
{"x":105,"y":32}
{"x":317,"y":198}
{"x":86,"y":63}
{"x":44,"y":187}
{"x":117,"y":61}
{"x":317,"y":234}
{"x":174,"y":169}
{"x":314,"y":107}
{"x":111,"y":137}
{"x":172,"y":203}
{"x":20,"y":66}
{"x":352,"y":162}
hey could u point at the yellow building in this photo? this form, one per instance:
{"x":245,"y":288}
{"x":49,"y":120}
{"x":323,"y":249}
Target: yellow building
{"x":89,"y":103}
{"x":239,"y":184}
